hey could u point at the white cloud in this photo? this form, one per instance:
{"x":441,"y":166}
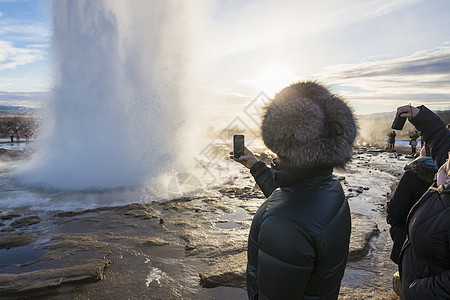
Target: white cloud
{"x":383,"y":7}
{"x":23,"y":30}
{"x":420,"y":78}
{"x":12,"y":57}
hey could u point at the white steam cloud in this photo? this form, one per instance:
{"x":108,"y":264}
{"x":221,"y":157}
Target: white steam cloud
{"x":121,"y":86}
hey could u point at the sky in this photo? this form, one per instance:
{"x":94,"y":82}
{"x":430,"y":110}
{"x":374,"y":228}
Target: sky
{"x":377,"y":54}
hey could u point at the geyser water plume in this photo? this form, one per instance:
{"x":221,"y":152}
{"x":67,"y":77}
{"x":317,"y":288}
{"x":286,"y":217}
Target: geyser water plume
{"x":120,"y":92}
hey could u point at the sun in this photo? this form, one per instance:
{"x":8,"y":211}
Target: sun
{"x":274,"y":78}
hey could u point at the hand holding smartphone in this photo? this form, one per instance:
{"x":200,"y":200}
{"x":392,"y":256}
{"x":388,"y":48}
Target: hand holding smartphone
{"x":238,"y":145}
{"x":403,"y":112}
{"x":398,"y":123}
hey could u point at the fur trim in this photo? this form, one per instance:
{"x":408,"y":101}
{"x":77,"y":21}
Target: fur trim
{"x":424,"y":167}
{"x":424,"y":172}
{"x":307,"y":127}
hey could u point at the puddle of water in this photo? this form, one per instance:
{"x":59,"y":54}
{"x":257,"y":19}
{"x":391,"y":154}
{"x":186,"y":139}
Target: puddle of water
{"x":228,"y":220}
{"x":222,"y":293}
{"x":166,"y":251}
{"x":20,"y":255}
{"x":226,"y":225}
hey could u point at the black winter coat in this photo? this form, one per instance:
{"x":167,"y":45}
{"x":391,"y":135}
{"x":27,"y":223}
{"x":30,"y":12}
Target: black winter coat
{"x":416,"y":180}
{"x":299,"y":238}
{"x":425,"y":256}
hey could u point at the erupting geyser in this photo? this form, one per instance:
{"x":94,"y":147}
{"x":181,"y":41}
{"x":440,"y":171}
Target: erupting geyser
{"x":119,"y":93}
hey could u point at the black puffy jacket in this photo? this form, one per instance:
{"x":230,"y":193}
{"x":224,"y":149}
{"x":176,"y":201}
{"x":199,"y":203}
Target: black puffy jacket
{"x":416,"y":180}
{"x":425,"y":256}
{"x":299,"y":238}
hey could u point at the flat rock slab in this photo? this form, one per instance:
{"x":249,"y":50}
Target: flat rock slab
{"x":25,"y":222}
{"x":25,"y":282}
{"x":363,"y":230}
{"x":16,"y":239}
{"x":228,"y":272}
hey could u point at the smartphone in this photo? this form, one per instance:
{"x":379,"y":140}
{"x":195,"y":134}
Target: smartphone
{"x":238,"y":145}
{"x":398,"y":123}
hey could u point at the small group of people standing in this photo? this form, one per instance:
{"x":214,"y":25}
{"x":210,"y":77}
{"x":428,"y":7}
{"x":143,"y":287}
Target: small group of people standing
{"x":298,"y":243}
{"x":412,"y":141}
{"x":16,"y":134}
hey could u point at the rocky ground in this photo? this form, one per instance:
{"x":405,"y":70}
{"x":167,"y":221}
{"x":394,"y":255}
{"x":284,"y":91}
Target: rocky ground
{"x":192,"y":247}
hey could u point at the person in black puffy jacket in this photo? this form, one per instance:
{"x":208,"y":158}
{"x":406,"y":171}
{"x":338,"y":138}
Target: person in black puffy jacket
{"x":418,"y":177}
{"x":425,"y":255}
{"x":299,"y":238}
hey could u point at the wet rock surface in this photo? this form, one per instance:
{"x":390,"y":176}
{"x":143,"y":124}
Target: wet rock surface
{"x":188,"y":248}
{"x":16,"y":239}
{"x":364,"y":229}
{"x":35,"y":281}
{"x":228,"y":272}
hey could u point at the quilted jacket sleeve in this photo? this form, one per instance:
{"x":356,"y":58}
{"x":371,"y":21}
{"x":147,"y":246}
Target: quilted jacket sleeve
{"x":437,"y":287}
{"x":264,"y":178}
{"x":397,"y":206}
{"x":435,"y":134}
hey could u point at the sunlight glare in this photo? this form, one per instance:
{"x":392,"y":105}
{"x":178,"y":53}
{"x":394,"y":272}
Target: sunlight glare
{"x":274,"y":78}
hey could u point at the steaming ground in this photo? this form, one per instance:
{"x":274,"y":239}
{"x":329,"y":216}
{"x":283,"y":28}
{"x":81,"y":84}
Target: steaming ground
{"x":211,"y":170}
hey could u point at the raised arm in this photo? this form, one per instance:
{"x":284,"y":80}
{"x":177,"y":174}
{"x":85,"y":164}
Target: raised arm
{"x":264,"y":178}
{"x":434,"y":131}
{"x":262,"y":174}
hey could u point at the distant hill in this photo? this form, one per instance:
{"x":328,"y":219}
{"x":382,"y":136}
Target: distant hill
{"x":6,"y":109}
{"x":443,"y":114}
{"x":22,"y":118}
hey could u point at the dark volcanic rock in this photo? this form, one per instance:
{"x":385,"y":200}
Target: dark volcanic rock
{"x":142,"y":211}
{"x":25,"y":222}
{"x":11,"y":154}
{"x":228,"y":272}
{"x":11,"y":284}
{"x":363,"y":230}
{"x":16,"y":239}
{"x":9,"y":216}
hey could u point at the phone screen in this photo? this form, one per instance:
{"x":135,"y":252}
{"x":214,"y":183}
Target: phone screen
{"x":238,"y":145}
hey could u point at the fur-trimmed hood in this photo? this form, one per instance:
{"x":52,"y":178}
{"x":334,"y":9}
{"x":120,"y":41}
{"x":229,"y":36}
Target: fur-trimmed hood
{"x":424,"y":167}
{"x":309,"y":127}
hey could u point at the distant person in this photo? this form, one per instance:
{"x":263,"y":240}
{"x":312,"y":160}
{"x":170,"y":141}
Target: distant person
{"x":420,"y":142}
{"x":391,"y":140}
{"x":11,"y":135}
{"x":27,"y":135}
{"x":418,"y":177}
{"x":413,"y":141}
{"x":299,"y":239}
{"x":425,"y":256}
{"x":17,"y":136}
